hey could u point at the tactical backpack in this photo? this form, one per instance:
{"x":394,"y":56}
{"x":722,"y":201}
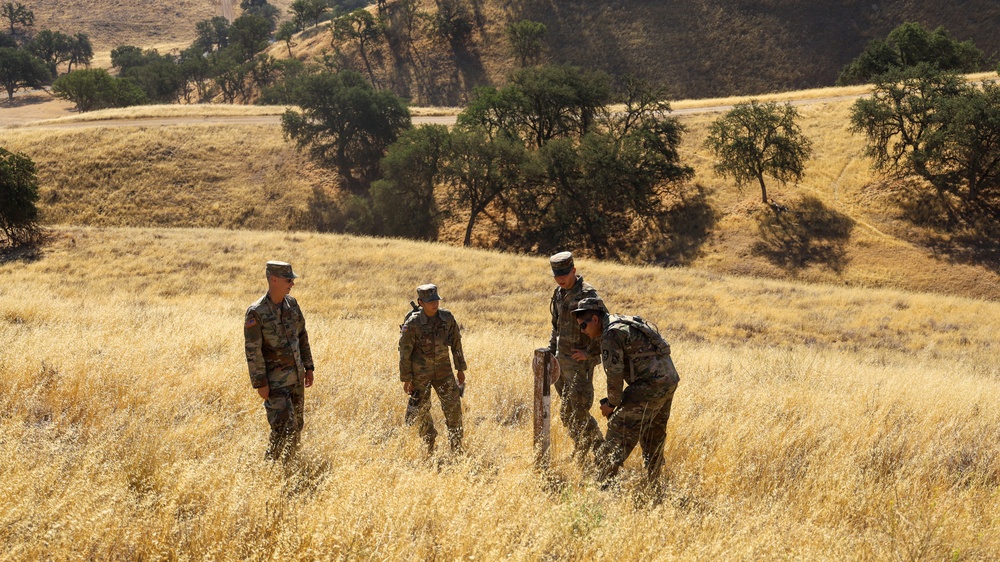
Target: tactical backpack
{"x":650,"y":331}
{"x":410,"y":314}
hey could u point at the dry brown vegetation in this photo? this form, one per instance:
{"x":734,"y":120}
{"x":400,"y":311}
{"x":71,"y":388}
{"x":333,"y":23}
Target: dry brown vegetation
{"x":708,"y":48}
{"x":843,"y":225}
{"x":812,"y":422}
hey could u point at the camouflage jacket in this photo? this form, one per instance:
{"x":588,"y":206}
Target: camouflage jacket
{"x":629,"y":356}
{"x":566,"y":334}
{"x":278,"y":352}
{"x":423,"y":346}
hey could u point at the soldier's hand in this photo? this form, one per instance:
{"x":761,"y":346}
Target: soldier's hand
{"x":580,"y":355}
{"x":408,"y":387}
{"x":264,"y":392}
{"x":461,"y":377}
{"x":308,"y":379}
{"x":606,"y":408}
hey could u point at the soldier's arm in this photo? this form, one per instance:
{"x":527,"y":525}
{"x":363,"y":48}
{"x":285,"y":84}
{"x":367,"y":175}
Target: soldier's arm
{"x":304,"y":350}
{"x":554,"y":311}
{"x":407,"y":336}
{"x":254,"y":339}
{"x":455,"y":341}
{"x":613,"y":357}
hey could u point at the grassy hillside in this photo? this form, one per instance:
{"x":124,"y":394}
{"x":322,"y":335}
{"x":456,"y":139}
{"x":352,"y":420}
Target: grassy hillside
{"x":842,"y":227}
{"x":707,"y":48}
{"x":145,"y":23}
{"x":704,"y":48}
{"x":816,"y":423}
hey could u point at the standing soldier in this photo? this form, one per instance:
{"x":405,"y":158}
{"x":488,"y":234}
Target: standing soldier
{"x":424,"y":340}
{"x":577,"y":355}
{"x":280,"y":361}
{"x":633,"y":352}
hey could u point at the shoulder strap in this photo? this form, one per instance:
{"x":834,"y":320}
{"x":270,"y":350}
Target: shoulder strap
{"x":651,"y":333}
{"x":415,"y":310}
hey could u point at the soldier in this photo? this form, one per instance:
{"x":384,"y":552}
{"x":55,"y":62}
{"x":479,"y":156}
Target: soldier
{"x":577,"y":355}
{"x":424,"y":340}
{"x":280,"y":361}
{"x":633,"y":352}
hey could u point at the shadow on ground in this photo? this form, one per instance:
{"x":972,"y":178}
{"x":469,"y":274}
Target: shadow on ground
{"x":803,"y":234}
{"x":23,"y":253}
{"x":959,"y":231}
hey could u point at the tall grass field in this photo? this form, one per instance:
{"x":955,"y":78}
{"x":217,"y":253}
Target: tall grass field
{"x":812,"y":422}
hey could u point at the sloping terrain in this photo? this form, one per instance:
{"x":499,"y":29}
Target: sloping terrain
{"x":702,"y":48}
{"x":811,"y":422}
{"x":840,"y":224}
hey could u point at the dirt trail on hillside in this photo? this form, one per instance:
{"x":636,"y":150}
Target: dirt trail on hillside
{"x":226,"y":6}
{"x":39,"y":115}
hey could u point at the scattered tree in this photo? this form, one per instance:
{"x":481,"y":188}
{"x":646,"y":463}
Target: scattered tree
{"x":931,"y":124}
{"x":18,"y":195}
{"x":480,"y":170}
{"x":344,"y":122}
{"x":405,"y":196}
{"x":540,"y":104}
{"x":53,"y":47}
{"x":286,"y":32}
{"x":526,"y":40}
{"x":263,"y":9}
{"x":20,"y":69}
{"x":453,"y":21}
{"x":362,"y":27}
{"x":16,"y":15}
{"x":81,"y":52}
{"x":307,"y":13}
{"x":756,"y":139}
{"x":910,"y":45}
{"x":248,"y":35}
{"x":92,"y":89}
{"x":212,"y":35}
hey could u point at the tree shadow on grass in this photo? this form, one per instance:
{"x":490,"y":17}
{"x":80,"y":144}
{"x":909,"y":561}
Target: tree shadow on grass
{"x":959,"y":231}
{"x":684,"y":228}
{"x":24,"y":253}
{"x":806,"y":233}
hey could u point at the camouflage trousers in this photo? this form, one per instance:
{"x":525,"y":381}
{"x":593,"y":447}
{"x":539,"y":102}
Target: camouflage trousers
{"x":576,"y":393}
{"x":285,"y":410}
{"x":637,"y":422}
{"x":419,"y":410}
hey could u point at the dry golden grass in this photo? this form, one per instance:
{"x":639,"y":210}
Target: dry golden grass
{"x":193,"y":111}
{"x":212,"y":174}
{"x":812,"y":422}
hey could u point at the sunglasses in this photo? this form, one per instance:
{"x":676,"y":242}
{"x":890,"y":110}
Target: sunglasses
{"x":583,"y":325}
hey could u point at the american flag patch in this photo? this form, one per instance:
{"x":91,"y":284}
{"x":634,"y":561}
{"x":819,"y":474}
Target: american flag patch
{"x":251,"y":322}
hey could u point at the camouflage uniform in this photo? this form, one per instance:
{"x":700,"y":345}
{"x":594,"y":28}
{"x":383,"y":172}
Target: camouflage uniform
{"x":278,"y":355}
{"x":423,"y":360}
{"x":642,"y":410}
{"x":576,"y":382}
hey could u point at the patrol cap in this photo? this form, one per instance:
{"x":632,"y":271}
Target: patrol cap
{"x":590,"y":303}
{"x":562,"y":263}
{"x":428,"y":292}
{"x":280,"y":269}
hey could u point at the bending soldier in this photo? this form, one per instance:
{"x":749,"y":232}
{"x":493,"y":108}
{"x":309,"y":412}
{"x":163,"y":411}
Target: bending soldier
{"x":424,"y":340}
{"x":633,"y":352}
{"x":577,"y":354}
{"x":279,"y":358}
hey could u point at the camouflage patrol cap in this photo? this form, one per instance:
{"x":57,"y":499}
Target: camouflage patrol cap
{"x":428,"y":293}
{"x":590,"y":303}
{"x":562,"y":263}
{"x":280,"y":269}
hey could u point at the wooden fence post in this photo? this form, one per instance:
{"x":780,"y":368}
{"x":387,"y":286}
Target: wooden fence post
{"x":546,"y":370}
